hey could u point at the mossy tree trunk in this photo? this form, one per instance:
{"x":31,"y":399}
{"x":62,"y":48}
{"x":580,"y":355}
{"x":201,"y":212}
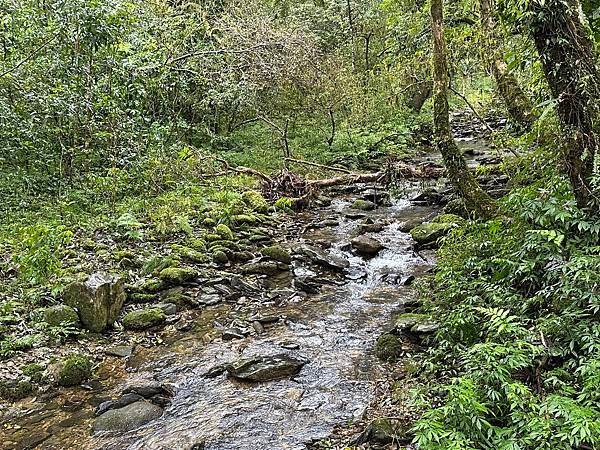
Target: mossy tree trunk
{"x":569,"y":62}
{"x":465,"y":183}
{"x":516,"y":101}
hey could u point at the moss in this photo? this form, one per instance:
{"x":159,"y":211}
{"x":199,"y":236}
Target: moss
{"x":244,"y":219}
{"x":220,"y":257}
{"x":388,"y":347}
{"x":225,"y":244}
{"x":197,"y":244}
{"x":151,"y":285}
{"x":61,"y":315}
{"x":190,"y":254}
{"x":408,"y":320}
{"x":255,"y":200}
{"x":74,"y":370}
{"x":13,"y":390}
{"x":157,"y":263}
{"x":208,"y":222}
{"x":224,"y":232}
{"x":277,"y":253}
{"x":140,"y":297}
{"x":144,"y":318}
{"x":178,"y":275}
{"x":213,"y":237}
{"x":430,"y":232}
{"x":33,"y":371}
{"x":449,"y":218}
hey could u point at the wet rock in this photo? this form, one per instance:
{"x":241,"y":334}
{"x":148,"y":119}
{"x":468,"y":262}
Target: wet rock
{"x":290,"y":345}
{"x":323,"y":200}
{"x":98,"y":301}
{"x":190,"y":254}
{"x":305,"y":284}
{"x":61,"y":315}
{"x":168,"y":308}
{"x":216,"y":371}
{"x":363,"y":205}
{"x":258,"y":327}
{"x":428,"y":197}
{"x":178,"y":275}
{"x":143,"y":319}
{"x":147,"y":389}
{"x":125,"y":400}
{"x":425,"y":328}
{"x":366,"y":245}
{"x":408,"y":225}
{"x":325,"y":259}
{"x":369,"y":228}
{"x":265,"y":268}
{"x":388,"y":347}
{"x":233,"y":333}
{"x":277,"y":253}
{"x":72,"y":370}
{"x":208,"y":299}
{"x":128,"y":417}
{"x":34,"y":439}
{"x":265,"y":368}
{"x":244,"y":256}
{"x":355,"y":215}
{"x":256,"y":201}
{"x":379,"y":197}
{"x":417,"y":324}
{"x":326,"y":223}
{"x":120,"y":351}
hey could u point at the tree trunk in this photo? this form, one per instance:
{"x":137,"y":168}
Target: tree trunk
{"x":475,"y":198}
{"x":569,"y":63}
{"x":516,"y":101}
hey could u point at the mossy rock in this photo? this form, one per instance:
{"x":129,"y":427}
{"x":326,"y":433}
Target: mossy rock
{"x":151,"y":285}
{"x":14,"y":390}
{"x":255,"y":200}
{"x":143,"y":319}
{"x":224,"y":232}
{"x":157,"y":263}
{"x":277,"y":253}
{"x":388,"y":347}
{"x":224,"y":243}
{"x":178,"y":275}
{"x":61,"y":315}
{"x":197,"y":244}
{"x":241,"y":219}
{"x":387,"y":431}
{"x":220,"y":257}
{"x":429,"y":233}
{"x":406,"y":321}
{"x":209,"y":222}
{"x":34,"y":371}
{"x":73,"y":370}
{"x":449,"y":218}
{"x":140,"y":297}
{"x":211,"y":237}
{"x":363,"y":205}
{"x":190,"y":254}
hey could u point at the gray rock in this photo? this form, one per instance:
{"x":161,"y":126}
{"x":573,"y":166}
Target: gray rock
{"x":128,"y":417}
{"x":125,"y":400}
{"x":99,"y":300}
{"x":233,"y":333}
{"x":366,"y":245}
{"x":168,"y":308}
{"x":363,"y":205}
{"x":265,"y":368}
{"x":147,"y":389}
{"x":325,"y":259}
{"x":121,"y":351}
{"x":265,"y":268}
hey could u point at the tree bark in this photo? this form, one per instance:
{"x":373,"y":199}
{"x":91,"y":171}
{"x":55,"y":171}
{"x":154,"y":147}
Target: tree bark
{"x":474,"y":196}
{"x":569,"y":60}
{"x":516,"y":101}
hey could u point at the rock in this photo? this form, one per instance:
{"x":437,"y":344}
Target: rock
{"x":355,"y":215}
{"x":370,"y":228}
{"x":407,"y":280}
{"x":429,"y":233}
{"x":258,"y":327}
{"x":385,"y":431}
{"x":277,"y":253}
{"x":256,"y":201}
{"x":98,"y":301}
{"x":449,"y":218}
{"x":388,"y":347}
{"x":14,"y":390}
{"x":190,"y":254}
{"x":244,"y":256}
{"x":363,"y":205}
{"x":168,"y":308}
{"x":408,"y":225}
{"x":220,"y":257}
{"x":224,"y":232}
{"x":120,"y":351}
{"x":366,"y":245}
{"x":406,"y":321}
{"x":325,"y":259}
{"x":425,"y":328}
{"x":61,"y":315}
{"x":376,"y":196}
{"x":138,"y":297}
{"x":290,"y":345}
{"x":240,"y":219}
{"x":178,"y":275}
{"x":265,"y":368}
{"x":125,"y":400}
{"x":232,"y":333}
{"x":142,"y":319}
{"x":265,"y":268}
{"x":147,"y":389}
{"x":34,"y":371}
{"x":73,"y":370}
{"x":128,"y":417}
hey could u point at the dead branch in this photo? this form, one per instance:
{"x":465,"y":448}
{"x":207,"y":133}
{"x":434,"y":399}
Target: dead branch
{"x":241,"y":169}
{"x":320,"y":166}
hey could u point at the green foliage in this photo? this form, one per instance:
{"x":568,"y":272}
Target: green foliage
{"x":518,"y":348}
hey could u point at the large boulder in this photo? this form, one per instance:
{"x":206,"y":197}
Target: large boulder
{"x":429,"y":233}
{"x":265,"y":368}
{"x":128,"y":418}
{"x":366,"y":245}
{"x":98,"y":300}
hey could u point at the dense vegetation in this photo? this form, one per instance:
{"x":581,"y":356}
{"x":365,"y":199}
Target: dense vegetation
{"x":123,"y":124}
